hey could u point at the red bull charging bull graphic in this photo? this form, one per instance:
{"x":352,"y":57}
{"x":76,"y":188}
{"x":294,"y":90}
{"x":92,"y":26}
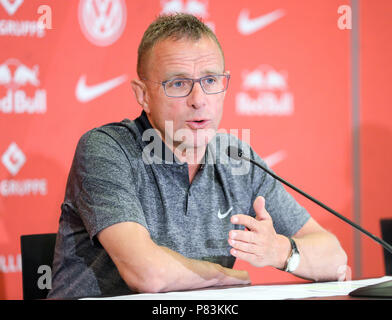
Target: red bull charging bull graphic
{"x":19,"y":88}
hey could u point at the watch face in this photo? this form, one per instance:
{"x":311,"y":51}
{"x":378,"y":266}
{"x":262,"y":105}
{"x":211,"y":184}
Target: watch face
{"x":294,"y":262}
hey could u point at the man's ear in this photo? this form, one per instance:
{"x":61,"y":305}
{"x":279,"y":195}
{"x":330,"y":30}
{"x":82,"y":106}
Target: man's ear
{"x":141,"y":95}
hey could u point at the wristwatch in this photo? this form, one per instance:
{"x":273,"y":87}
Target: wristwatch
{"x":294,"y":258}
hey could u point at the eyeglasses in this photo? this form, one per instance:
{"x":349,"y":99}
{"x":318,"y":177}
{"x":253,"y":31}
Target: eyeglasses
{"x":182,"y":87}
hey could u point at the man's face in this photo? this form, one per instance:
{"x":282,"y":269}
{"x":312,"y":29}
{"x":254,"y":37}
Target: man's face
{"x":194,"y":119}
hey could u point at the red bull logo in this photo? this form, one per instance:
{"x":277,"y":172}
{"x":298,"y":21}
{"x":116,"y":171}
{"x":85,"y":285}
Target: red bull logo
{"x":264,"y":92}
{"x":13,"y":76}
{"x":198,"y":8}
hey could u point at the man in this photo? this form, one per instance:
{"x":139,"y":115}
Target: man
{"x":140,"y":218}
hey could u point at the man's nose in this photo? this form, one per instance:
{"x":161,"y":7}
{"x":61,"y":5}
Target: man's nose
{"x":197,"y":98}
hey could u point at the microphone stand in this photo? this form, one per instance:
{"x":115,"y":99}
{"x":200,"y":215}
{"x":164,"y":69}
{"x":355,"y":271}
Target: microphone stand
{"x":383,"y":289}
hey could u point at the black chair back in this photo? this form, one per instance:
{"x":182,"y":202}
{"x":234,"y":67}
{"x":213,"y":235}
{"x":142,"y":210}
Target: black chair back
{"x":386,"y":234}
{"x":37,"y":253}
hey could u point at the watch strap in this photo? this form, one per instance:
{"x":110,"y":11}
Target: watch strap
{"x":294,"y":251}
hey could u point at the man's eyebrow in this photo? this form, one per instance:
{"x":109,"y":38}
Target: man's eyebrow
{"x":187,"y":75}
{"x":177,"y":75}
{"x":208,"y":72}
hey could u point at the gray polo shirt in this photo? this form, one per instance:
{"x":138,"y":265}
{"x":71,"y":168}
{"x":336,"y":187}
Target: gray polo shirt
{"x":124,"y":172}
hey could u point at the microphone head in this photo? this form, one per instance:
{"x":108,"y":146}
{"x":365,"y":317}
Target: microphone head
{"x":234,"y":153}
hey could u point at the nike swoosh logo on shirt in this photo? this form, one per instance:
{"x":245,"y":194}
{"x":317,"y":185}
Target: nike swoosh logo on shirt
{"x":222,"y":216}
{"x":86,"y":93}
{"x":248,"y":26}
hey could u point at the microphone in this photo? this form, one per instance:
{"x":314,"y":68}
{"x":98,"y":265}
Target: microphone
{"x":383,"y":289}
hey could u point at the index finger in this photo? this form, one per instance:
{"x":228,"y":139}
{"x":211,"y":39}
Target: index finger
{"x":247,"y":221}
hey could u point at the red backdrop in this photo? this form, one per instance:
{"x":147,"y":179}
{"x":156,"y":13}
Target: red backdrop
{"x":291,"y":85}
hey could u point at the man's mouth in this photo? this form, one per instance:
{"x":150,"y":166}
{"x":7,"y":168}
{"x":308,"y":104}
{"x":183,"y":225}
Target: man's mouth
{"x":197,"y":123}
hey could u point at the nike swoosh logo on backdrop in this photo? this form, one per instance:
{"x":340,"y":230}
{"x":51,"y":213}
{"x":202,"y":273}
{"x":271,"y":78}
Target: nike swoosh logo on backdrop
{"x":248,"y":26}
{"x":274,"y":158}
{"x":222,"y":216}
{"x":86,"y":93}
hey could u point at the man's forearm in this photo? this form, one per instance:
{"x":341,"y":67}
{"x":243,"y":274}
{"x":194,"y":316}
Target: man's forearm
{"x":177,"y":272}
{"x":148,"y":267}
{"x":322,"y":257}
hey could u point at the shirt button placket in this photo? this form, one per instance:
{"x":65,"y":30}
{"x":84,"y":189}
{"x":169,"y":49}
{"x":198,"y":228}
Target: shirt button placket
{"x":188,"y":200}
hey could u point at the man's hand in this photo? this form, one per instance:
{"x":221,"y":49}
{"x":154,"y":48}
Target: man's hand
{"x":322,"y":257}
{"x":261,"y":245}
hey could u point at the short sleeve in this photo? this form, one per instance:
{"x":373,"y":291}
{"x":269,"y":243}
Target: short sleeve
{"x":287,"y":214}
{"x":105,"y":182}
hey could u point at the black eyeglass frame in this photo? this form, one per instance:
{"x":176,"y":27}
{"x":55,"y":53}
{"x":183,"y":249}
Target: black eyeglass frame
{"x":199,"y":80}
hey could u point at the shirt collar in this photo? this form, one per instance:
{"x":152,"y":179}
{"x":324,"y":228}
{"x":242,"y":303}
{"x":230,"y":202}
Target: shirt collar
{"x":165,"y":154}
